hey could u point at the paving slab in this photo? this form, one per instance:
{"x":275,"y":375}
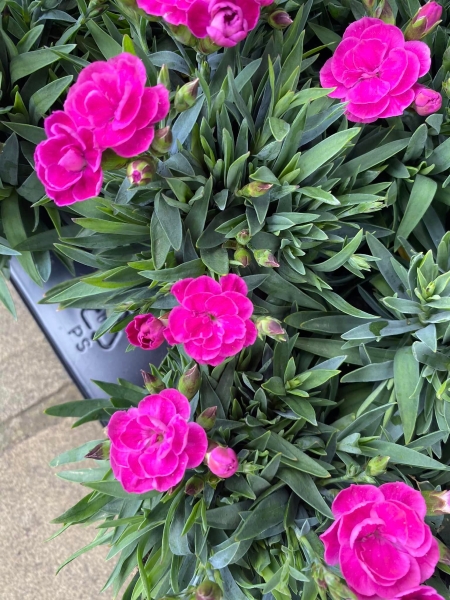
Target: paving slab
{"x":29,"y":369}
{"x":31,"y":496}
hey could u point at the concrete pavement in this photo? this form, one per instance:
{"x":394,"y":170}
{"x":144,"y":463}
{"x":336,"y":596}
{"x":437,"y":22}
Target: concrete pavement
{"x":31,"y":495}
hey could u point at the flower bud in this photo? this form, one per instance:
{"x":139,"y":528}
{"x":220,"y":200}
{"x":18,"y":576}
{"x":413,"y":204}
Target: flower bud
{"x":438,"y":503}
{"x":190,"y":382}
{"x":426,"y":101}
{"x":153,"y":384}
{"x":194,"y":486}
{"x":243,"y":237}
{"x":254,"y":189}
{"x":279,"y":19}
{"x":164,"y":77}
{"x":100,"y":452}
{"x":424,"y":21}
{"x":243,"y":256}
{"x":444,"y":553}
{"x":162,"y":141}
{"x":207,"y":419}
{"x":272,"y":328}
{"x":222,"y":462}
{"x":206,"y":45}
{"x":208,"y":590}
{"x":186,"y":96}
{"x":265,"y":258}
{"x":140,"y":172}
{"x":377,"y":466}
{"x":386,"y":15}
{"x":446,"y":86}
{"x":182,"y":34}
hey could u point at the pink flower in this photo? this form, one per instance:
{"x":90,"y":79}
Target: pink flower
{"x":213,"y":321}
{"x":227,"y":22}
{"x":380,"y":540}
{"x":172,"y":11}
{"x":68,"y":163}
{"x":424,"y":21}
{"x":153,"y":444}
{"x":426,"y":101}
{"x":111,"y":99}
{"x":374,"y":70}
{"x":145,"y":331}
{"x":223,"y":462}
{"x":422,"y":592}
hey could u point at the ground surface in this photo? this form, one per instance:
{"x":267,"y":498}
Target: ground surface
{"x":31,"y":495}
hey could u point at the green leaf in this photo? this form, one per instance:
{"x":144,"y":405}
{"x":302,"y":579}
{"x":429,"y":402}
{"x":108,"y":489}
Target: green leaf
{"x":76,"y":454}
{"x":78,"y":408}
{"x":29,"y":62}
{"x":104,"y":226}
{"x":321,"y":153}
{"x":279,"y":128}
{"x":216,"y":259}
{"x":45,"y":97}
{"x":440,"y":158}
{"x":193,"y":268}
{"x":160,"y":243}
{"x":421,"y":197}
{"x":269,"y":512}
{"x":402,"y":455}
{"x":185,"y":123}
{"x":170,"y":220}
{"x":15,"y":233}
{"x":27,"y":132}
{"x":107,"y":46}
{"x":5,"y":296}
{"x":28,"y":40}
{"x":9,"y":160}
{"x":341,"y":257}
{"x":407,"y":391}
{"x":370,"y":159}
{"x":373,"y":372}
{"x":305,"y":488}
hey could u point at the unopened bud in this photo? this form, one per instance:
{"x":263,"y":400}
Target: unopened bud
{"x":279,"y":19}
{"x":153,"y":384}
{"x":446,"y":87}
{"x":377,"y":466}
{"x":254,"y":189}
{"x":386,"y":15}
{"x":272,"y":328}
{"x":243,"y":256}
{"x":164,"y":77}
{"x":426,"y":101}
{"x":140,"y":172}
{"x":194,"y":486}
{"x":162,"y":141}
{"x":206,"y":45}
{"x":208,"y":590}
{"x":444,"y":553}
{"x":207,"y":419}
{"x":326,"y":580}
{"x":243,"y":237}
{"x":265,"y":258}
{"x":182,"y":34}
{"x":438,"y":503}
{"x":424,"y":21}
{"x":186,"y":96}
{"x":190,"y":382}
{"x":222,"y":462}
{"x":100,"y":452}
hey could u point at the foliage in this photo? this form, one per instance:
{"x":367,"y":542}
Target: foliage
{"x":356,"y":218}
